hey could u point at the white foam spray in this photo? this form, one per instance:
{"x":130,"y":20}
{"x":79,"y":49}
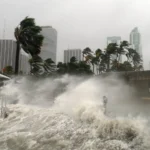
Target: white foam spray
{"x":67,"y":114}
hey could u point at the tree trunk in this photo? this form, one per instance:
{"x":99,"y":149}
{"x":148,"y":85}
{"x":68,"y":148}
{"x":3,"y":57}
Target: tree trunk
{"x":93,"y":68}
{"x":97,"y":69}
{"x":108,"y":63}
{"x":17,"y":58}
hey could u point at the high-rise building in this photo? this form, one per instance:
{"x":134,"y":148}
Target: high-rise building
{"x":49,"y":48}
{"x":72,"y":52}
{"x":114,"y":39}
{"x":117,"y":40}
{"x":7,"y":53}
{"x":135,"y":40}
{"x":8,"y":56}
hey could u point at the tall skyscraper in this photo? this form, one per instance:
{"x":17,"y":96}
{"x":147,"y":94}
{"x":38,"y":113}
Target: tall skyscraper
{"x":114,"y":39}
{"x":49,"y":48}
{"x":8,"y":56}
{"x":135,"y":40}
{"x":7,"y":53}
{"x":72,"y":52}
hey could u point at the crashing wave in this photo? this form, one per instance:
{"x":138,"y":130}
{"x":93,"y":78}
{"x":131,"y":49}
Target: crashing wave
{"x":75,"y":119}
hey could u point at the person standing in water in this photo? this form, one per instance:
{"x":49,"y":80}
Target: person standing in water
{"x":105,"y":100}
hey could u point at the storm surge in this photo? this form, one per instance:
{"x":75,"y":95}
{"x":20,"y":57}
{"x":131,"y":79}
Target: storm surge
{"x":72,"y":118}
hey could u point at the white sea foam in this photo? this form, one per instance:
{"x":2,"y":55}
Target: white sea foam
{"x":71,"y":120}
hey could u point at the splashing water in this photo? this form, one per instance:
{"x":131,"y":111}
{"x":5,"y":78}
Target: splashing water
{"x":71,"y":119}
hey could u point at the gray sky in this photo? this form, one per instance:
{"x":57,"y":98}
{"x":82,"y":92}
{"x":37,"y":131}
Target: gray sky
{"x":82,"y":23}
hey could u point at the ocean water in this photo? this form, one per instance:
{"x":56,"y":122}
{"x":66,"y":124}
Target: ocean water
{"x":67,"y":114}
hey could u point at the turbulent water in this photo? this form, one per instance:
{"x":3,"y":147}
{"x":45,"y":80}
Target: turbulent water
{"x":67,"y":114}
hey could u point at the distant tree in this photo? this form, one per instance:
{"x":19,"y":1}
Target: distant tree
{"x":87,"y":54}
{"x":138,"y":68}
{"x":74,"y":68}
{"x":130,"y":54}
{"x":8,"y":70}
{"x":136,"y":59}
{"x":120,"y":50}
{"x":28,"y":37}
{"x":115,"y":65}
{"x":126,"y":66}
{"x":99,"y":61}
{"x":94,"y":62}
{"x":112,"y":50}
{"x":84,"y":69}
{"x":73,"y":59}
{"x":62,"y":68}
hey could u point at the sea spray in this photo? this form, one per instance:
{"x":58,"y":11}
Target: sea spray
{"x":72,"y":119}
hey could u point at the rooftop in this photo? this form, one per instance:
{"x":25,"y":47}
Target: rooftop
{"x":46,"y":27}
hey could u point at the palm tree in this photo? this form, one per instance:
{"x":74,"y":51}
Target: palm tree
{"x":115,"y":65}
{"x":49,"y":65}
{"x":87,"y":51}
{"x":28,"y":37}
{"x":98,"y":54}
{"x":130,"y":54}
{"x":109,"y":52}
{"x":120,"y":50}
{"x":36,"y":64}
{"x":136,"y":59}
{"x":84,"y":68}
{"x":94,"y":61}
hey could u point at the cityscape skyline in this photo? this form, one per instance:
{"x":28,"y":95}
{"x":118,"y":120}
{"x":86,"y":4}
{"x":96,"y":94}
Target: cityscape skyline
{"x":49,"y":48}
{"x":86,"y":28}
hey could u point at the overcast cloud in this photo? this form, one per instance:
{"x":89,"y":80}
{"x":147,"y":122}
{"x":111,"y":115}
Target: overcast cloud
{"x":82,"y":23}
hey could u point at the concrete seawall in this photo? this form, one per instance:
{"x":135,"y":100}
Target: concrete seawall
{"x":140,"y":80}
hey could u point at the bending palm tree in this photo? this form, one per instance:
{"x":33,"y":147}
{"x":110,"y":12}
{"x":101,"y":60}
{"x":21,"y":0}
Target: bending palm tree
{"x":86,"y":52}
{"x":49,"y":65}
{"x":109,"y":52}
{"x":28,"y":38}
{"x":130,"y":54}
{"x":121,"y":49}
{"x":136,"y":59}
